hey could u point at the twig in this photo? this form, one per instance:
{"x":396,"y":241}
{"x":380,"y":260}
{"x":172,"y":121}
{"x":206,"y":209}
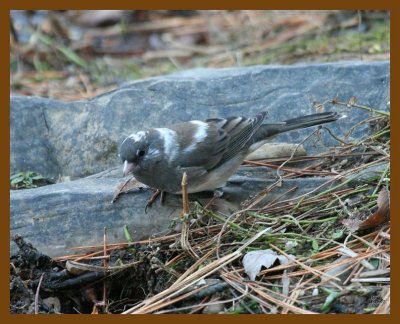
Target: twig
{"x":37,"y":294}
{"x":205,"y":304}
{"x":370,"y":280}
{"x":368,"y":120}
{"x":103,"y":302}
{"x":381,"y":179}
{"x":185,"y":199}
{"x":304,"y":171}
{"x":351,"y":103}
{"x":105,"y":264}
{"x":185,"y":224}
{"x":334,"y":136}
{"x":294,"y":152}
{"x":306,"y":267}
{"x":153,"y":303}
{"x":384,"y":307}
{"x":194,"y":267}
{"x":385,"y":235}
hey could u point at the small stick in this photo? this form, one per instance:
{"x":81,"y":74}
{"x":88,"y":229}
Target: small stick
{"x":105,"y":264}
{"x":185,"y":225}
{"x":293,"y":153}
{"x":37,"y":295}
{"x":185,"y":199}
{"x":352,"y":103}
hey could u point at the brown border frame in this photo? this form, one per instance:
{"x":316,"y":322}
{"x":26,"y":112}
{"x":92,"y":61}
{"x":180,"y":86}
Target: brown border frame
{"x":7,"y":5}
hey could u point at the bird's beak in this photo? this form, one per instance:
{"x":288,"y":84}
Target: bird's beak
{"x":128,"y":167}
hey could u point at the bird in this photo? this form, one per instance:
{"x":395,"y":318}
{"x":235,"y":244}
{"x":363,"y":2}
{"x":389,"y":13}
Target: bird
{"x":208,"y":151}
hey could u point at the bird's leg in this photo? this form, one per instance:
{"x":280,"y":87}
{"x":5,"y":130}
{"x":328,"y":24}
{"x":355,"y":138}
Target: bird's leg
{"x":154,"y":197}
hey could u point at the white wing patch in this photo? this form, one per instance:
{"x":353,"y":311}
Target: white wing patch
{"x":199,"y":136}
{"x":170,"y":143}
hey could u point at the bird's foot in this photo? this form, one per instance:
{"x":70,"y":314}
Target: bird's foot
{"x":154,"y":197}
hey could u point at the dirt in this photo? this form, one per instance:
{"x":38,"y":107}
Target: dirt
{"x":63,"y":292}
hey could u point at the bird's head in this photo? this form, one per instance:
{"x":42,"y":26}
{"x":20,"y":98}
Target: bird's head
{"x":139,"y":150}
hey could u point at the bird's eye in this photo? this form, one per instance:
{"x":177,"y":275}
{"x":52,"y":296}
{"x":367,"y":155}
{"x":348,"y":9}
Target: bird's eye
{"x":140,"y":152}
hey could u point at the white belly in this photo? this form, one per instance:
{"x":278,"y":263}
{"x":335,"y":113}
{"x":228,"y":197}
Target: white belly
{"x":216,"y":178}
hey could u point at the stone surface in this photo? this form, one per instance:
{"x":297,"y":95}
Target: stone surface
{"x":80,"y":138}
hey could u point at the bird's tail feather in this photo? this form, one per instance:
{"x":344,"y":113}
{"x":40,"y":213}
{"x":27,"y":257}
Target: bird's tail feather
{"x":312,"y":120}
{"x":268,"y":130}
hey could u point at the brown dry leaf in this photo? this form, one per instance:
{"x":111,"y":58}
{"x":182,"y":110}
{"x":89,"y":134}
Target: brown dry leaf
{"x":382,"y":215}
{"x":126,"y":186}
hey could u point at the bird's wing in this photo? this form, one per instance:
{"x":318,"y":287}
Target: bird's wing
{"x":224,"y":139}
{"x":239,"y":131}
{"x":205,"y":152}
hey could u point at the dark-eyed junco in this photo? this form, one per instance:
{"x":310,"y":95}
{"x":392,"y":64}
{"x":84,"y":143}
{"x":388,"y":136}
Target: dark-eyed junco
{"x":209,"y":152}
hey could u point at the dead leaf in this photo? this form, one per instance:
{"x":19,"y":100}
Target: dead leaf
{"x":126,"y":186}
{"x":254,"y":260}
{"x":381,"y":216}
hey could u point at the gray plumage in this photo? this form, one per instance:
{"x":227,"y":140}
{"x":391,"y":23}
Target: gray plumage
{"x":209,"y":152}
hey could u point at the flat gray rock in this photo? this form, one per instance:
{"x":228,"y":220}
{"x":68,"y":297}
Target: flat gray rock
{"x":80,"y":139}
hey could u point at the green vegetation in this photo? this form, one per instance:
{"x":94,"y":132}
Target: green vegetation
{"x":25,"y":180}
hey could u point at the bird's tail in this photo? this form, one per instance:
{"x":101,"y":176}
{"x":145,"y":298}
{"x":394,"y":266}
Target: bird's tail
{"x":268,"y":130}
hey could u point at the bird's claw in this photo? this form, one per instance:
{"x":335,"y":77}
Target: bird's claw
{"x":153,"y":198}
